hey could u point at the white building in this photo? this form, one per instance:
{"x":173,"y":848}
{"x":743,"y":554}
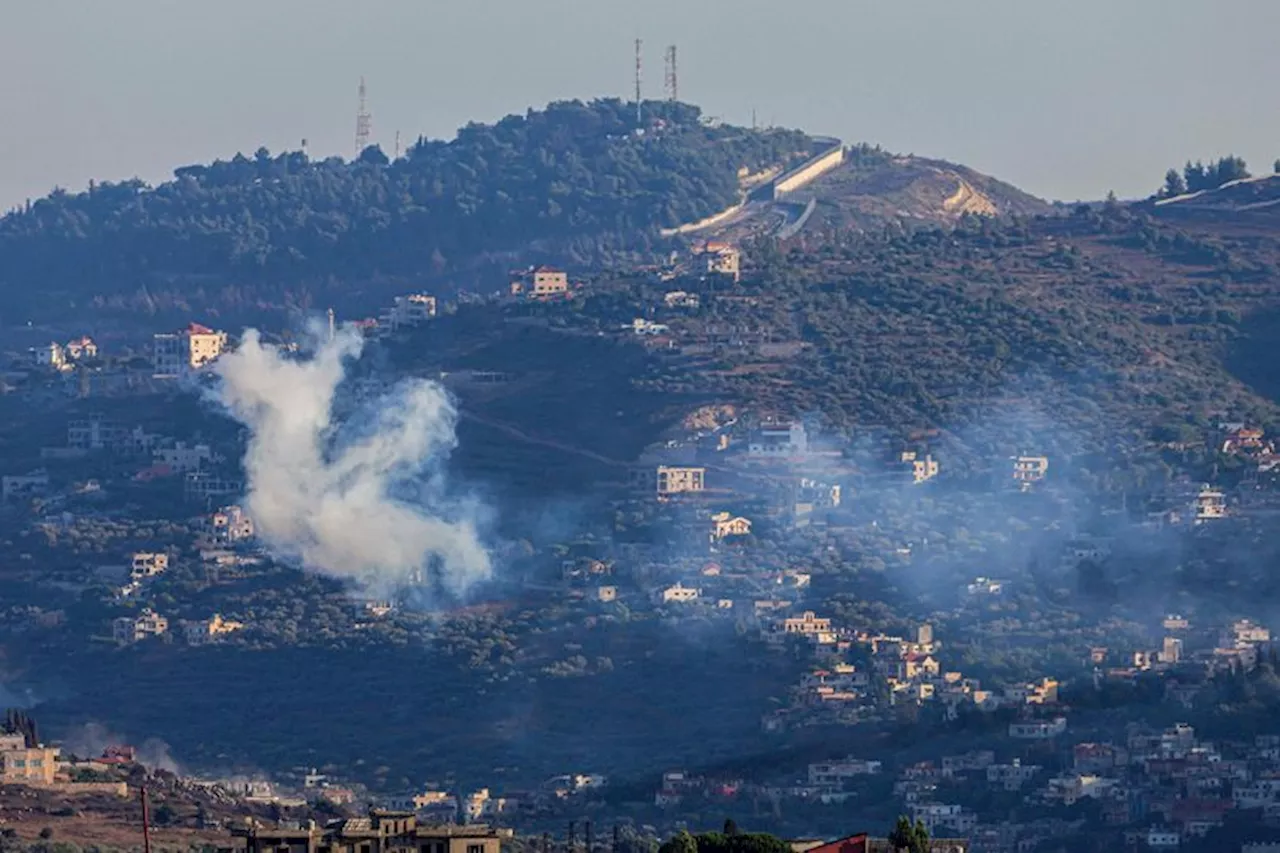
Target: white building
{"x":179,"y":353}
{"x":181,"y":458}
{"x":834,"y":774}
{"x":203,"y":486}
{"x":1038,"y":729}
{"x":1210,"y":505}
{"x":1011,"y":777}
{"x":679,"y":593}
{"x":50,"y":356}
{"x":412,"y":309}
{"x":779,"y":440}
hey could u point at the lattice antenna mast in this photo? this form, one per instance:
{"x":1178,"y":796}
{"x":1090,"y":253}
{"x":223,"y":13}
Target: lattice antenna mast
{"x":364,"y":121}
{"x":672,"y":84}
{"x":639,"y":117}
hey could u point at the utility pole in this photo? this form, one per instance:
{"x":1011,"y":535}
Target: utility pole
{"x":146,"y":821}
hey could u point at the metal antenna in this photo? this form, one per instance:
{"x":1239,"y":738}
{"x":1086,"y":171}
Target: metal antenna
{"x":672,"y":85}
{"x":364,"y":121}
{"x":397,"y":157}
{"x":639,"y":117}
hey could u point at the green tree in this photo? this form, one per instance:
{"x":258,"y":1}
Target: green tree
{"x":681,"y":843}
{"x":1174,"y":184}
{"x":908,"y":838}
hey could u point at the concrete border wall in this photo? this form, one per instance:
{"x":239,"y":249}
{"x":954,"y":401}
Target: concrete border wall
{"x":820,"y":164}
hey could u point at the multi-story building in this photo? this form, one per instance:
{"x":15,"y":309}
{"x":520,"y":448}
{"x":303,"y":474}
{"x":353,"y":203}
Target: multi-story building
{"x":50,"y":356}
{"x":148,"y":564}
{"x":834,"y":774}
{"x":229,"y":525}
{"x":412,"y":309}
{"x":542,"y":282}
{"x":23,"y":761}
{"x":722,"y":259}
{"x":179,"y":353}
{"x":1210,"y":505}
{"x":809,"y":625}
{"x":724,"y":525}
{"x":1011,"y":777}
{"x":921,"y":467}
{"x":380,"y":832}
{"x":132,"y":629}
{"x":182,"y":458}
{"x":204,"y":486}
{"x":779,"y":440}
{"x":1029,"y":470}
{"x":666,"y":480}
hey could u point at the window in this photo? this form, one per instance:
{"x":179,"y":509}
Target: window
{"x":475,"y":848}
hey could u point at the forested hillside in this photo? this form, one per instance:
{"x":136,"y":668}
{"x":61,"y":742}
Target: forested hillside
{"x":577,"y":174}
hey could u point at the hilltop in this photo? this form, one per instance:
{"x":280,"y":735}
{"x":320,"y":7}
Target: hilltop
{"x":576,"y":181}
{"x":576,"y":184}
{"x":871,"y":190}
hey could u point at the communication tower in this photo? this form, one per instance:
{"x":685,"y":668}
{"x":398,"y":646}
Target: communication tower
{"x":639,"y":117}
{"x":672,"y":85}
{"x":364,"y":121}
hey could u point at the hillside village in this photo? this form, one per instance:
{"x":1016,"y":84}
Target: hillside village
{"x":738,"y":517}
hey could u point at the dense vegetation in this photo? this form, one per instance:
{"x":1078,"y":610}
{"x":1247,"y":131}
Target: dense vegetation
{"x":581,"y":174}
{"x":1197,"y":177}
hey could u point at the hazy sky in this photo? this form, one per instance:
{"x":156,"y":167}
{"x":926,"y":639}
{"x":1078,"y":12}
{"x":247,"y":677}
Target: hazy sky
{"x":1066,"y":99}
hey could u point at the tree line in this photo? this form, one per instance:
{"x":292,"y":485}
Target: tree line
{"x":574,"y":171}
{"x":1198,"y":177}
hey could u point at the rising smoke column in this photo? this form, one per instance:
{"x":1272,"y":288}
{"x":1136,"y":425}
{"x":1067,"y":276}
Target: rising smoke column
{"x":361,"y":500}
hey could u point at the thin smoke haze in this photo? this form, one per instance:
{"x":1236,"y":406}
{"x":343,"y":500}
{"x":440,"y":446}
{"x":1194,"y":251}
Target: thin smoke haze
{"x":360,"y":497}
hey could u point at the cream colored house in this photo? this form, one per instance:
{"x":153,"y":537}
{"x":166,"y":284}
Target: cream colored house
{"x":204,"y":631}
{"x":678,"y":593}
{"x":178,"y":353}
{"x":724,"y":525}
{"x":148,"y":564}
{"x":722,"y":259}
{"x":680,"y":480}
{"x":923,"y":467}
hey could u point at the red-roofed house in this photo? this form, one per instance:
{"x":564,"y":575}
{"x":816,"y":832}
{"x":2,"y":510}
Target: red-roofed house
{"x":849,"y":844}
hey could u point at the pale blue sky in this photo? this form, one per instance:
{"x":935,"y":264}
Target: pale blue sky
{"x":1066,"y":99}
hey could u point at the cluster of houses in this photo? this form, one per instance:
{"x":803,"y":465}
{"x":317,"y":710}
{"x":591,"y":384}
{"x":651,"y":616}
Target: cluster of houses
{"x":147,"y":625}
{"x":64,"y":357}
{"x":1164,"y":788}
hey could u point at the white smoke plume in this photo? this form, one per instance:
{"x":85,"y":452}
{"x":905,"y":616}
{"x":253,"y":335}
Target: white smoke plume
{"x":359,"y":497}
{"x":90,"y":739}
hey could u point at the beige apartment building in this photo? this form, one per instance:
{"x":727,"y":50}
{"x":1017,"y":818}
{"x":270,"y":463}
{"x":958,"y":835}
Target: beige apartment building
{"x":23,"y":764}
{"x":177,"y":353}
